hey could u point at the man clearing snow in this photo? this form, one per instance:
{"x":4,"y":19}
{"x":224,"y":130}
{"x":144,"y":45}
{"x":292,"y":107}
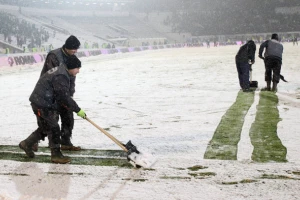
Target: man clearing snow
{"x":53,"y":59}
{"x":244,"y":59}
{"x":273,"y":60}
{"x":51,"y":92}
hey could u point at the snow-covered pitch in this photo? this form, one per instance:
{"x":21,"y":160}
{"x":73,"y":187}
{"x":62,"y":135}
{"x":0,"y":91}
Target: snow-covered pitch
{"x":168,"y":102}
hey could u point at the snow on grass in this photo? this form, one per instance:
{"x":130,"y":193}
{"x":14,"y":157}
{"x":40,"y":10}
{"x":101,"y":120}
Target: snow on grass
{"x":168,"y":102}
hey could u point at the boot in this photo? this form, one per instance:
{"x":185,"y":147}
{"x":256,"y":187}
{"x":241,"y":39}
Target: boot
{"x":27,"y":148}
{"x":268,"y":86}
{"x":42,"y":136}
{"x":247,"y":90}
{"x":28,"y":143}
{"x":66,"y":143}
{"x":70,"y":148}
{"x":35,"y":147}
{"x":274,"y":87}
{"x":58,"y":157}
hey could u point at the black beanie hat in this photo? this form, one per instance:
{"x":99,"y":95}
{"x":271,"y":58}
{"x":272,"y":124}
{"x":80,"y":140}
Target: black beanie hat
{"x":72,"y":43}
{"x":274,"y":36}
{"x":73,"y":62}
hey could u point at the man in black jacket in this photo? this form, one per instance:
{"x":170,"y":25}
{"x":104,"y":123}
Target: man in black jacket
{"x":244,"y":59}
{"x":273,"y":60}
{"x":52,"y":92}
{"x":55,"y":58}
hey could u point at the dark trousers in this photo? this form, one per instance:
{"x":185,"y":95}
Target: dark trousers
{"x":67,"y":122}
{"x":47,"y":121}
{"x":243,"y":73}
{"x":272,"y":65}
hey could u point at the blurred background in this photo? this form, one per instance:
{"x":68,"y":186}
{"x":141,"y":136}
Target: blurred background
{"x":42,"y":25}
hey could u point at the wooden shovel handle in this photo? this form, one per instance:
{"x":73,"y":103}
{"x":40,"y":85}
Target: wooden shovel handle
{"x":108,"y":135}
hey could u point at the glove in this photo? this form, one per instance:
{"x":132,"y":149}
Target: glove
{"x":82,"y":114}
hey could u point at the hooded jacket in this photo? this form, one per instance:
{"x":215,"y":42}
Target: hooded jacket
{"x":246,"y":52}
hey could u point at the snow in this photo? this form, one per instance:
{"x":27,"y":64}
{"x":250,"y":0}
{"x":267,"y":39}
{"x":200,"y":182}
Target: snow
{"x":167,"y":102}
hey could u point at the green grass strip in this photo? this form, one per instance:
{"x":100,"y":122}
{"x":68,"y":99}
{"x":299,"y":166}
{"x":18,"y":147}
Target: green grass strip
{"x":223,"y":145}
{"x":82,"y":152}
{"x":263,"y":132}
{"x":83,"y":157}
{"x":120,"y":162}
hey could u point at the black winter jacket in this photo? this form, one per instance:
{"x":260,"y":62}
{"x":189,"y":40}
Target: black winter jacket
{"x":55,"y":58}
{"x":246,"y":53}
{"x":53,"y":89}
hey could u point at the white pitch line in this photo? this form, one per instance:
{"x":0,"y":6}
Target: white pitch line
{"x":245,"y":148}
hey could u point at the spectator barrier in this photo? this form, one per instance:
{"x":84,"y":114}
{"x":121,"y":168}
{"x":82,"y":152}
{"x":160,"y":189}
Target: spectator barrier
{"x":32,"y":58}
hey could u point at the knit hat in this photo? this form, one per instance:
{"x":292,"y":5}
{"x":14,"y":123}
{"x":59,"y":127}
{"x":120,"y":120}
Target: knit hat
{"x":73,"y":62}
{"x":275,"y":36}
{"x":72,"y":43}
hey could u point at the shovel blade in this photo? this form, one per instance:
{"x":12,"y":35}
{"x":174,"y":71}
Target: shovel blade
{"x":144,"y":160}
{"x":137,"y":158}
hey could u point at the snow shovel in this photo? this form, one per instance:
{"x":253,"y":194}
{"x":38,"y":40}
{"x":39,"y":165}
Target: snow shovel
{"x":253,"y":84}
{"x":135,"y":157}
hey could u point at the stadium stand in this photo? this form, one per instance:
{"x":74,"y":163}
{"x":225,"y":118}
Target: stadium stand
{"x":42,"y":25}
